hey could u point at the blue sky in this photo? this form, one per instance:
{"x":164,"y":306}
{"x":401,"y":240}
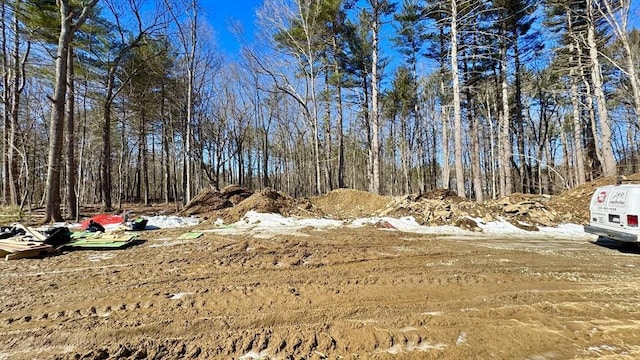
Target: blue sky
{"x":220,"y":13}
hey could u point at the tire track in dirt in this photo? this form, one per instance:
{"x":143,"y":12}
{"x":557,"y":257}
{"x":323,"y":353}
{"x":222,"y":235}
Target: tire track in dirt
{"x":353,"y":293}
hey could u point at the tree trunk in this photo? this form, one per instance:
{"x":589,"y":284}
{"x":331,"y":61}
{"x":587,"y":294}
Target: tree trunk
{"x":525,"y":178}
{"x":375,"y":116}
{"x":72,"y":200}
{"x":16,"y":91}
{"x":577,"y":124}
{"x":6,"y":115}
{"x":52,"y":194}
{"x":57,"y":117}
{"x":188,"y":172}
{"x":339,"y":114}
{"x":476,"y":168}
{"x":492,"y":148}
{"x":446,"y":169}
{"x":565,"y":158}
{"x":609,"y":161}
{"x":457,"y":112}
{"x":106,"y":147}
{"x":506,"y":186}
{"x":165,"y":146}
{"x":144,"y":178}
{"x":328,"y":163}
{"x":15,"y":108}
{"x":594,"y":152}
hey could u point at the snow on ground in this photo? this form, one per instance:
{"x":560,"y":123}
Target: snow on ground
{"x":266,"y":226}
{"x":165,"y":222}
{"x":269,"y":225}
{"x":261,"y":225}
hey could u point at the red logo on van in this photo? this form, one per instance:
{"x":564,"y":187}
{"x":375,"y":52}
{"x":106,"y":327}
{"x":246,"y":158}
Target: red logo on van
{"x":601,"y":197}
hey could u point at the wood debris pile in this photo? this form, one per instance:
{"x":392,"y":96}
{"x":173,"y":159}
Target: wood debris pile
{"x":522,"y":211}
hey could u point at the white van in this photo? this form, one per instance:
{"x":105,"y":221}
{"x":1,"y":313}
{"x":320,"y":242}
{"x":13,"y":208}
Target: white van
{"x":614,"y":212}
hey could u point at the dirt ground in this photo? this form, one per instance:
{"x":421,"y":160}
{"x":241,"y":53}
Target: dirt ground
{"x":364,"y":293}
{"x":348,"y":293}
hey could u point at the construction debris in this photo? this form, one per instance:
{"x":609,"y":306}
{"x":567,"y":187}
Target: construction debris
{"x":102,"y":241}
{"x":20,"y":241}
{"x":13,"y":249}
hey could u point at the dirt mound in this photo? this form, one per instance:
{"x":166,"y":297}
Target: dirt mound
{"x":347,"y":203}
{"x":437,"y":207}
{"x":268,"y":201}
{"x":211,"y":200}
{"x":236,"y":193}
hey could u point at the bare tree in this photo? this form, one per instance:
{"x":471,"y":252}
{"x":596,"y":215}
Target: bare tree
{"x":188,"y":35}
{"x":609,"y":161}
{"x":15,"y":52}
{"x":575,"y":103}
{"x":67,"y":28}
{"x":72,"y":201}
{"x":457,"y":112}
{"x":296,"y":30}
{"x":125,"y":41}
{"x":616,"y":14}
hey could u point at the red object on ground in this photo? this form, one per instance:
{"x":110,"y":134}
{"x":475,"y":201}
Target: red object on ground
{"x":104,"y":220}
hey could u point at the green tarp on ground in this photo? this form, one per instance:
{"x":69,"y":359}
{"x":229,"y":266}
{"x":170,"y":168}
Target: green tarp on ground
{"x":102,"y":241}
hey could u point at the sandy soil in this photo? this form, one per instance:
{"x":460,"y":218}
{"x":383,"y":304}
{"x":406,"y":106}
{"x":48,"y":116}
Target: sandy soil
{"x":363,"y":293}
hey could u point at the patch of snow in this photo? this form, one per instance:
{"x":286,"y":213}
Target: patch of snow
{"x":261,"y":225}
{"x":408,"y":224}
{"x":265,"y":226}
{"x":395,"y":349}
{"x":422,"y":346}
{"x":602,"y":348}
{"x":462,"y":338}
{"x":99,"y":257}
{"x":433,"y":313}
{"x":254,"y":355}
{"x":562,"y":231}
{"x":545,"y":356}
{"x":180,"y":295}
{"x":425,"y":346}
{"x":170,"y":221}
{"x":408,"y":329}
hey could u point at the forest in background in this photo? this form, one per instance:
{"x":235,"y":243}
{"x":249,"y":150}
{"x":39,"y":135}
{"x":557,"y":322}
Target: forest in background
{"x":116,"y":101}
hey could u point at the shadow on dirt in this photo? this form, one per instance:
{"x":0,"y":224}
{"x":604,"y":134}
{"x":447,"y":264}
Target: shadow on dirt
{"x":627,"y":248}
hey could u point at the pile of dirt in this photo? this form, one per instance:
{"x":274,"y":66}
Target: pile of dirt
{"x":437,"y":207}
{"x":211,"y":200}
{"x":267,"y":201}
{"x":348,"y":204}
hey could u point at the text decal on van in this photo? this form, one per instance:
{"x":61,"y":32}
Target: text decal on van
{"x":618,"y":198}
